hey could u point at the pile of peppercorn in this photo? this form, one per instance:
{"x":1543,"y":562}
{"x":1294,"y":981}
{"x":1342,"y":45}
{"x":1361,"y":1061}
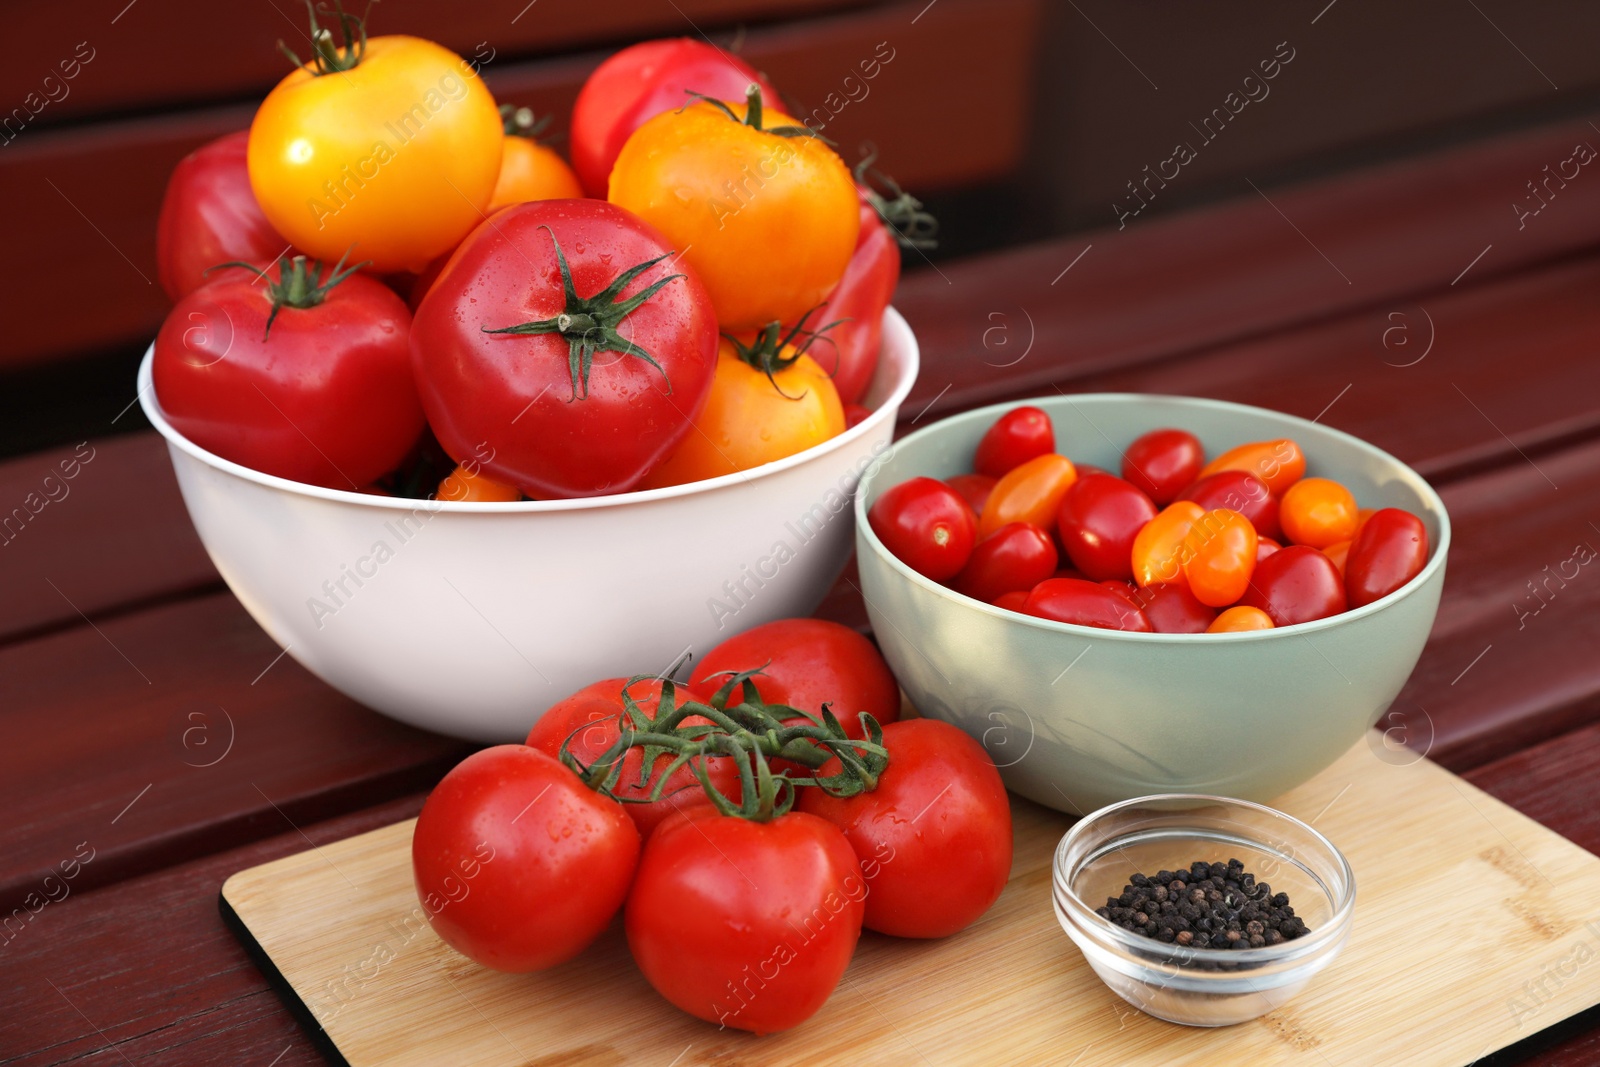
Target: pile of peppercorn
{"x":1212,"y":905}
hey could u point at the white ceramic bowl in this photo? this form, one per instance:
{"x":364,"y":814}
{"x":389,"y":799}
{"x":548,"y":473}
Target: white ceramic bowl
{"x":471,"y":619}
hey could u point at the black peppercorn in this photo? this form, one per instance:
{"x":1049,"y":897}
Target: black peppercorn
{"x":1208,"y":905}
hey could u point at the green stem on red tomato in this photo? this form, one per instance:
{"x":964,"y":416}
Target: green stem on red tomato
{"x":299,"y":284}
{"x":900,"y":211}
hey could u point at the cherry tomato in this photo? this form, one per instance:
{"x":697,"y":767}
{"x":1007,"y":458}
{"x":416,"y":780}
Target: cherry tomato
{"x":519,"y":865}
{"x":1162,"y":462}
{"x":1089,"y":468}
{"x":1318,"y":512}
{"x":849,"y":351}
{"x":390,"y":149}
{"x":1085,"y":603}
{"x":1390,"y":550}
{"x":325,"y":396}
{"x":753,"y":416}
{"x":1172,"y":609}
{"x":1279,"y":463}
{"x":1099,"y":517}
{"x":1016,"y":437}
{"x":1158,"y":549}
{"x":210,"y":216}
{"x":769,"y":222}
{"x":1220,"y":551}
{"x":926,"y":525}
{"x":1011,"y":601}
{"x":639,"y":83}
{"x":1238,"y":491}
{"x":722,"y":903}
{"x":470,"y":484}
{"x":1265,"y":546}
{"x":1239,"y":619}
{"x":974,"y":489}
{"x":1339,"y":553}
{"x":1029,"y":493}
{"x":529,"y":170}
{"x":1296,"y":584}
{"x":855,"y":415}
{"x":1014,"y":558}
{"x":937,"y":872}
{"x":804,"y":664}
{"x":590,"y":721}
{"x":565,"y":415}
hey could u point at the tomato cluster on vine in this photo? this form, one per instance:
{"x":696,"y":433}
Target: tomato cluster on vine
{"x":1176,"y":544}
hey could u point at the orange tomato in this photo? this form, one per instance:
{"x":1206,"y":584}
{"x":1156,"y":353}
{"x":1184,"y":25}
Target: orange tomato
{"x":1318,"y":512}
{"x":768,"y":221}
{"x":1339,"y":553}
{"x":1159,"y":548}
{"x":1278,"y":463}
{"x":529,"y":170}
{"x":388,"y":149}
{"x":1239,"y":619}
{"x":1031,"y":493}
{"x":1219,"y":557}
{"x":470,"y":484}
{"x":750,"y":418}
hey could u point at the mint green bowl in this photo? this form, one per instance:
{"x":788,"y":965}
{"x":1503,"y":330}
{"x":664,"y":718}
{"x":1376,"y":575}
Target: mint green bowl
{"x":1077,"y":718}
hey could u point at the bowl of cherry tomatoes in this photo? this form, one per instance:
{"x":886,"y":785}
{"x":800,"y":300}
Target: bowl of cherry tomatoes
{"x":463,"y":426}
{"x":1123,"y":594}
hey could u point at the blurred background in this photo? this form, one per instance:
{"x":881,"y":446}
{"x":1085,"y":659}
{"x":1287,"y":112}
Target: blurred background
{"x":1016,"y":120}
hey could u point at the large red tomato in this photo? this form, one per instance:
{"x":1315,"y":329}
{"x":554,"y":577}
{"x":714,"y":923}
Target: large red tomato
{"x":934,"y":837}
{"x":849,"y":350}
{"x":558,"y":339}
{"x":324,"y":396}
{"x":518,"y":864}
{"x":746,"y":924}
{"x":639,"y":83}
{"x":210,"y":216}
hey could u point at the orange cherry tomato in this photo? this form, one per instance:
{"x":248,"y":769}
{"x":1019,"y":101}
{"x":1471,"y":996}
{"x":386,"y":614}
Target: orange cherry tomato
{"x":1220,"y":557}
{"x":1239,"y":619}
{"x":1158,"y":549}
{"x":1339,"y":553}
{"x":529,"y":170}
{"x":1031,"y":493}
{"x":1279,"y":463}
{"x":1318,"y":512}
{"x":471,"y":484}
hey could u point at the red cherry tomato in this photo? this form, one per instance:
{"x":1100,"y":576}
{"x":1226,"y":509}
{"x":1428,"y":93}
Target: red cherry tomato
{"x":926,"y":525}
{"x":1220,"y":556}
{"x":1099,"y":518}
{"x":1279,"y":463}
{"x":210,"y":216}
{"x":937,"y":872}
{"x":804,"y":664}
{"x":1162,"y":462}
{"x":1390,"y":550}
{"x":974,"y":489}
{"x":1014,"y":558}
{"x":639,"y":83}
{"x":592,"y":719}
{"x":1318,"y":512}
{"x":722,"y":903}
{"x":855,"y":415}
{"x":1172,"y":609}
{"x":1085,"y":603}
{"x":1238,"y":491}
{"x":848,"y":351}
{"x":1016,"y":437}
{"x":1089,"y":468}
{"x":326,"y":396}
{"x":1240,"y":619}
{"x":517,"y":863}
{"x":1296,"y":584}
{"x":1031,"y":492}
{"x":1265,"y":546}
{"x":1011,"y":601}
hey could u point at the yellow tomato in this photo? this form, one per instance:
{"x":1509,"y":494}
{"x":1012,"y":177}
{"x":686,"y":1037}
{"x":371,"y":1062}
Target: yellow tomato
{"x":394,"y":158}
{"x":469,"y":483}
{"x":1160,"y":548}
{"x":1030,"y":492}
{"x":747,"y":421}
{"x":530,"y":170}
{"x":768,"y":221}
{"x":1240,"y":620}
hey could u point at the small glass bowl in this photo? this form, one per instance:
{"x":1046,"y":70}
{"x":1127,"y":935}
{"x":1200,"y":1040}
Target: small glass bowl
{"x":1201,"y":986}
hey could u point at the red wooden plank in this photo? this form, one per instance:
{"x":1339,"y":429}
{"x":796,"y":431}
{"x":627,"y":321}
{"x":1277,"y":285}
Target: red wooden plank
{"x":93,"y":528}
{"x":177,"y":731}
{"x":68,"y":221}
{"x":994,"y":325}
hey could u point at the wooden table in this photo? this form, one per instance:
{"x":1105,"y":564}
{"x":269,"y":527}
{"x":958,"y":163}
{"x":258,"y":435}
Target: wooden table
{"x":155,"y":740}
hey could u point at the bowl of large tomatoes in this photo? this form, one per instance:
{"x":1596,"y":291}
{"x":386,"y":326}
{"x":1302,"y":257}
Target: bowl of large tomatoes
{"x":1125,"y":594}
{"x":460,"y":436}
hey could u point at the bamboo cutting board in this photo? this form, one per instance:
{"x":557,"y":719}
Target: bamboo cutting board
{"x":341,"y":926}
